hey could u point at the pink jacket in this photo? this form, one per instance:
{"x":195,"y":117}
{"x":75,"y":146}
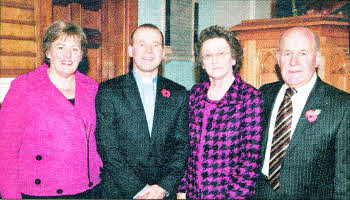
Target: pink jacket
{"x":43,"y":138}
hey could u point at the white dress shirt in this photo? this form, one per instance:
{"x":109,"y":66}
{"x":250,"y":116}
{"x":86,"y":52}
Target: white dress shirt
{"x":298,"y":101}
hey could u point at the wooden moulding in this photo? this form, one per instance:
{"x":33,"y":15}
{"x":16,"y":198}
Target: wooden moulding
{"x":271,"y":28}
{"x":16,"y":5}
{"x":304,"y":20}
{"x":31,"y":23}
{"x":13,"y":72}
{"x":10,"y":37}
{"x":92,"y":5}
{"x":26,"y":54}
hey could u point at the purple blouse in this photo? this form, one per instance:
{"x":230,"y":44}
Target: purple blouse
{"x":225,"y":143}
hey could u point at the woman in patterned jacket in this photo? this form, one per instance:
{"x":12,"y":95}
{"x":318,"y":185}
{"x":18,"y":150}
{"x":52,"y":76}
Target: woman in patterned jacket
{"x":225,"y":115}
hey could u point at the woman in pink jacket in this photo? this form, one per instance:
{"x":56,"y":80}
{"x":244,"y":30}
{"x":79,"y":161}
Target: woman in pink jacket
{"x":47,"y":123}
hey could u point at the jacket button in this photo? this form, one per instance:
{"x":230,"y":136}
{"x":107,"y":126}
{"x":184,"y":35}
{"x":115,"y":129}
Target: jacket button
{"x":91,"y":184}
{"x":59,"y":191}
{"x":38,"y":157}
{"x":37,"y":181}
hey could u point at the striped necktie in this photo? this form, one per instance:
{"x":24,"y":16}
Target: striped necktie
{"x":281,"y":138}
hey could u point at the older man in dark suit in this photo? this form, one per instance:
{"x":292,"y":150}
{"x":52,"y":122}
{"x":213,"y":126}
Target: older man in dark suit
{"x":306,"y":141}
{"x":142,"y":125}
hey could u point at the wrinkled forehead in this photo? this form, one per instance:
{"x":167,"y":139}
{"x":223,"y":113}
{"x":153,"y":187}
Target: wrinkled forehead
{"x":298,"y":40}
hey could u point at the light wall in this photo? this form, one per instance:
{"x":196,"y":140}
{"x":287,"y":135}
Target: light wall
{"x":4,"y":87}
{"x":228,"y":13}
{"x":180,"y":71}
{"x":225,"y":13}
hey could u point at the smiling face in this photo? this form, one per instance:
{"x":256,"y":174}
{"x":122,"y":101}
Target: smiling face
{"x":65,"y":54}
{"x":147,"y":51}
{"x":217,"y":59}
{"x":298,"y":57}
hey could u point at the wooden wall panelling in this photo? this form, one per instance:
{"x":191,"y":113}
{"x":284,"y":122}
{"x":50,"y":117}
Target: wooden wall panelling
{"x":22,"y":14}
{"x":43,"y":19}
{"x":107,"y":47}
{"x":119,"y":20}
{"x":61,"y":13}
{"x":19,"y":2}
{"x":267,"y":65}
{"x":17,"y":37}
{"x":126,"y":13}
{"x":22,"y":26}
{"x":131,"y":22}
{"x":118,"y":32}
{"x":92,"y":19}
{"x":76,"y":13}
{"x":338,"y":73}
{"x":266,"y":52}
{"x":334,"y":48}
{"x":259,"y":40}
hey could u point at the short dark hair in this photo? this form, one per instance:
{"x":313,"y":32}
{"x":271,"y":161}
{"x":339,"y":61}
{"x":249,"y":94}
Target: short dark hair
{"x":146,"y":26}
{"x":60,"y":28}
{"x":215,"y":31}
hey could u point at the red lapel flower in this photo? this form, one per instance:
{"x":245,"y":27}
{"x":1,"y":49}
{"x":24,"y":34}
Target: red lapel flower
{"x":166,"y":93}
{"x":311,"y":115}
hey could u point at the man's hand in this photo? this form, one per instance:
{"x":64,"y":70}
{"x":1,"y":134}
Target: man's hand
{"x":181,"y":195}
{"x":152,"y":192}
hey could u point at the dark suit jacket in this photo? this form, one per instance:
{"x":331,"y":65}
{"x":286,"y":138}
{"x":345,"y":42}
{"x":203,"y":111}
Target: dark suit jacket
{"x":131,"y":158}
{"x":317,"y":162}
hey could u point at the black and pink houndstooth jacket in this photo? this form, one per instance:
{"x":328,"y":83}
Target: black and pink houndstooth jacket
{"x":224,"y":155}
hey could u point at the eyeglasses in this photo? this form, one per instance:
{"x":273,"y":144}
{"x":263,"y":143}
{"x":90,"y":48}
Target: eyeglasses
{"x":219,"y":55}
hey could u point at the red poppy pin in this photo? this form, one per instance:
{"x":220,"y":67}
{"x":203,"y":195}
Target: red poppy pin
{"x":311,"y":115}
{"x":166,"y":93}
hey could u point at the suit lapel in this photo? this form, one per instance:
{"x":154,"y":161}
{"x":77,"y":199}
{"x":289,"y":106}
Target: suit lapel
{"x":133,"y":97}
{"x":314,"y":101}
{"x":160,"y":109}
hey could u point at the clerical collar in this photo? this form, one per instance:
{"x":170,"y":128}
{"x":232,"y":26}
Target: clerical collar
{"x":143,"y":80}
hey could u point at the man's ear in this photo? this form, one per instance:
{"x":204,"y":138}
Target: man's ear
{"x":318,"y":58}
{"x":130,"y":51}
{"x":278,"y":55}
